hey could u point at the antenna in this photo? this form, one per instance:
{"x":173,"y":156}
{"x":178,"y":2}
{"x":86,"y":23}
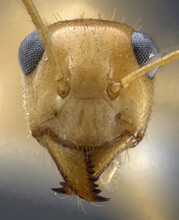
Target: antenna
{"x":46,"y":36}
{"x":126,"y":80}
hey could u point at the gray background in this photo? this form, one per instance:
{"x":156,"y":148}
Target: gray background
{"x":147,"y":186}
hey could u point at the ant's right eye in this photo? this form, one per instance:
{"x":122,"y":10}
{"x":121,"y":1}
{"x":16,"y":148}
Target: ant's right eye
{"x":30,"y":52}
{"x":145,"y":50}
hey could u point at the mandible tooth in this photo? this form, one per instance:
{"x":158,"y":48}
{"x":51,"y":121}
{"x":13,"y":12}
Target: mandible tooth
{"x":96,"y":191}
{"x":63,"y":184}
{"x":94,"y":185}
{"x":90,"y":166}
{"x":91,"y":171}
{"x":93,"y":179}
{"x":101,"y":199}
{"x":59,"y":190}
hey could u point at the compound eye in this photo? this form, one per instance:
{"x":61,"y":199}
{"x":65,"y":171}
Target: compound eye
{"x":145,"y":50}
{"x":30,"y":52}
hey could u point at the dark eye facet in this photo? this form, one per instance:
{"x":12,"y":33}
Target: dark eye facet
{"x":145,"y":50}
{"x":30,"y":52}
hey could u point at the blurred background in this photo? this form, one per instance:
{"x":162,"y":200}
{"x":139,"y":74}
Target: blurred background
{"x":147,"y":185}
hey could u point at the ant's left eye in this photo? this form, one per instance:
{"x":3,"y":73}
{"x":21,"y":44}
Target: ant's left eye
{"x":30,"y":52}
{"x":145,"y":50}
